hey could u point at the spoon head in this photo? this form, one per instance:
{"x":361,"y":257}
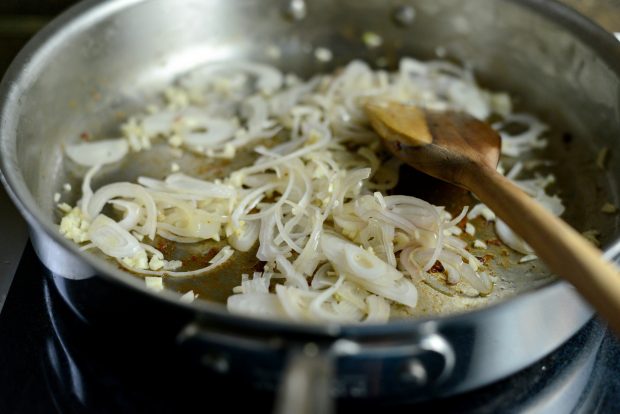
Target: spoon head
{"x":444,"y":144}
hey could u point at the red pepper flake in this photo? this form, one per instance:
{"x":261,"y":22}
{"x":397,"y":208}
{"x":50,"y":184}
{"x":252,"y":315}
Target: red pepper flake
{"x":494,"y":242}
{"x":164,"y":246}
{"x":461,"y":224}
{"x":85,"y":136}
{"x":484,"y":259}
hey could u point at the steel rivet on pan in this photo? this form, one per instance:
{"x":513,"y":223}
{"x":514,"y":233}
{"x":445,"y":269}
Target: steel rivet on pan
{"x":415,"y":372}
{"x":217,"y":363}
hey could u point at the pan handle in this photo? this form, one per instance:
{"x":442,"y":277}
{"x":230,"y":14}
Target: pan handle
{"x":309,"y":383}
{"x":306,"y":382}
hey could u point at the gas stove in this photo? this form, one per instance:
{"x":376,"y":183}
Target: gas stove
{"x":52,"y":361}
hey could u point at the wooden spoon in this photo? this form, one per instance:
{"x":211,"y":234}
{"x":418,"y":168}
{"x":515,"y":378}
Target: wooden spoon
{"x":462,"y":150}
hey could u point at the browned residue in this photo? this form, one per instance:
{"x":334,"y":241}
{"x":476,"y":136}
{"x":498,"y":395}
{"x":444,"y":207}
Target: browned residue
{"x":437,"y":268}
{"x":201,"y":260}
{"x":485,"y":259}
{"x":167,"y":247}
{"x":259,"y":267}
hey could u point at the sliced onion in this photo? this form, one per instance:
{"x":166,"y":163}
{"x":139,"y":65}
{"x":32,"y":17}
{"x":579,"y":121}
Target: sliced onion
{"x":295,"y":302}
{"x":412,"y":67}
{"x":182,"y":182}
{"x":196,"y":229}
{"x":130,"y":191}
{"x":87,"y":191}
{"x":112,"y":239}
{"x":90,"y":154}
{"x":217,"y":132}
{"x":353,"y":294}
{"x":324,"y":137}
{"x":267,"y":249}
{"x":368,"y":270}
{"x":321,"y":279}
{"x":308,"y":260}
{"x":316,"y":305}
{"x":355,"y":261}
{"x":515,"y":145}
{"x":367,"y":266}
{"x":481,"y":283}
{"x":152,"y":250}
{"x":269,"y":79}
{"x":133,"y":213}
{"x":400,"y":291}
{"x":292,"y":275}
{"x":511,"y":239}
{"x":175,"y":238}
{"x":418,"y":274}
{"x":436,"y":249}
{"x":481,"y":210}
{"x":282,"y":102}
{"x":255,"y":109}
{"x":247,"y":236}
{"x":378,"y":309}
{"x":158,"y":123}
{"x":467,"y":96}
{"x":259,"y":283}
{"x":260,"y":305}
{"x":222,"y":256}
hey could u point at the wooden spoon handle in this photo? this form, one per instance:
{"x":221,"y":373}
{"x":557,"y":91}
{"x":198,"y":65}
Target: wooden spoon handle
{"x":563,"y":249}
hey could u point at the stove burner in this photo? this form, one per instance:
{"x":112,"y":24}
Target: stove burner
{"x":52,"y":360}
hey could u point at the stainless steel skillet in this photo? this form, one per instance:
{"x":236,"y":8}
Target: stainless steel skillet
{"x":100,"y":60}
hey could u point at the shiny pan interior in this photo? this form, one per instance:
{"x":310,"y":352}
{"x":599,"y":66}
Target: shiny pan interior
{"x":100,"y":62}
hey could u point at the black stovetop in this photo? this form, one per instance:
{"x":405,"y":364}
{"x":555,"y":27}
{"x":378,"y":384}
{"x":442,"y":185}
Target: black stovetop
{"x":50,"y":361}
